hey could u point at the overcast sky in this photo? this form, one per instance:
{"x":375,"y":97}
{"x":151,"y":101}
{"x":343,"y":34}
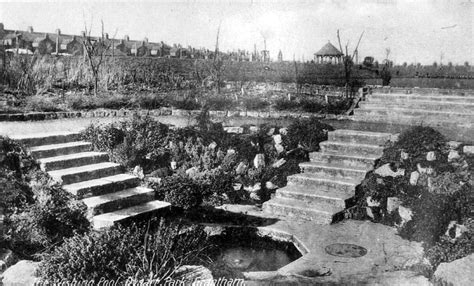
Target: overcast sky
{"x":415,"y":31}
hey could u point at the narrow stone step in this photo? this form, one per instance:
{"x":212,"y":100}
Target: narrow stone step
{"x":72,"y":160}
{"x":399,"y":112}
{"x":294,"y":209}
{"x":108,"y":219}
{"x":86,"y":172}
{"x":323,"y":183}
{"x":354,"y":149}
{"x":46,"y":138}
{"x":360,"y":137}
{"x":118,"y":200}
{"x":102,"y":186}
{"x":365,"y":163}
{"x":52,"y":150}
{"x":332,"y":171}
{"x":314,"y":194}
{"x":460,"y":107}
{"x":397,"y":97}
{"x":414,"y":120}
{"x":411,"y":116}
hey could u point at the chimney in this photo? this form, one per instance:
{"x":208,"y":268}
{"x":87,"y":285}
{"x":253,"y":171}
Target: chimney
{"x":126,"y":38}
{"x":145,"y":40}
{"x":83,"y":34}
{"x":29,"y":29}
{"x":58,"y":31}
{"x":106,"y":35}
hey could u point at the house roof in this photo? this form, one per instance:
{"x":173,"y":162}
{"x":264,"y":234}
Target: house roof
{"x":329,"y":50}
{"x":11,"y":36}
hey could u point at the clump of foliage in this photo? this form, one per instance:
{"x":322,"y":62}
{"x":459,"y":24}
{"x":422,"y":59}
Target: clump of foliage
{"x":448,"y":249}
{"x":53,"y":216}
{"x":140,"y":141}
{"x":441,"y":194}
{"x":307,"y":133}
{"x":181,"y":191}
{"x":151,"y":252}
{"x":17,"y":169}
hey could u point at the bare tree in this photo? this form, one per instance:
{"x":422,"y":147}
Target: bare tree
{"x":217,"y":64}
{"x":95,"y":49}
{"x":348,"y":61}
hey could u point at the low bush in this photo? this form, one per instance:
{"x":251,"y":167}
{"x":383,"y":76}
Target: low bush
{"x":306,"y":133}
{"x":150,"y":252}
{"x":220,"y":103}
{"x":254,"y":103}
{"x":17,"y":169}
{"x":180,"y":190}
{"x":140,"y":141}
{"x":53,"y":216}
{"x":42,"y":103}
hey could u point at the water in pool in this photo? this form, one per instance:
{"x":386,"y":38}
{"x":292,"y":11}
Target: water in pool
{"x":253,"y":259}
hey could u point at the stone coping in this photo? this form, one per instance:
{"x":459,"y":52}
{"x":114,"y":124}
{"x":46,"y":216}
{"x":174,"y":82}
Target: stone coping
{"x":38,"y":116}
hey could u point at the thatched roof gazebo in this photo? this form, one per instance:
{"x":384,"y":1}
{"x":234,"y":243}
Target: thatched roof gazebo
{"x":328,"y":54}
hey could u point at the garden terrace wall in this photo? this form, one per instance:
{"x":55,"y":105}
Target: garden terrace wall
{"x":38,"y":116}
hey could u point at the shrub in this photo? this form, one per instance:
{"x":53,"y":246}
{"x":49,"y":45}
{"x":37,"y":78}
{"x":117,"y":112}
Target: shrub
{"x":219,"y":103}
{"x":152,"y":252}
{"x":53,"y":216}
{"x":284,"y":104}
{"x":255,"y":103}
{"x":306,"y":133}
{"x":180,"y":190}
{"x":17,"y":169}
{"x":140,"y":141}
{"x":42,"y":103}
{"x":448,"y":249}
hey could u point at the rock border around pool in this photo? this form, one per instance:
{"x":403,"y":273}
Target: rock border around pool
{"x":38,"y":116}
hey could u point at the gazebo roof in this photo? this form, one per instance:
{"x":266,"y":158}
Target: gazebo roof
{"x":329,"y":50}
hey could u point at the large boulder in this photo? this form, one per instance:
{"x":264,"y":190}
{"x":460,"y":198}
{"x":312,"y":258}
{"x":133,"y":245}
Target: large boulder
{"x":22,"y":273}
{"x":457,"y":273}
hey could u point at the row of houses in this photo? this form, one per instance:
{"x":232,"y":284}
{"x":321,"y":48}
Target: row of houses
{"x":31,"y":42}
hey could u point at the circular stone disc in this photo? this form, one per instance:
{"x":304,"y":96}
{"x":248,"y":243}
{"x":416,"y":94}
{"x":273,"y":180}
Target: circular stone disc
{"x":345,"y":250}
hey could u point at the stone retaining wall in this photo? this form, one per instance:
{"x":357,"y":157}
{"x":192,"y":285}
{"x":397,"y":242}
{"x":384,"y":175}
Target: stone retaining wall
{"x":38,"y":116}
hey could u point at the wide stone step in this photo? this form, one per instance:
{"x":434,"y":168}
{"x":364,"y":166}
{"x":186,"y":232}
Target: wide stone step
{"x":314,"y":194}
{"x":459,"y":107}
{"x":109,"y":219}
{"x":332,"y":171}
{"x":294,"y":209}
{"x":72,"y":160}
{"x":53,"y":150}
{"x":86,"y":172}
{"x":397,"y":97}
{"x":425,"y":115}
{"x":118,"y":200}
{"x":102,"y":186}
{"x":324,"y":184}
{"x":46,"y":138}
{"x":354,"y":149}
{"x":365,"y":163}
{"x":361,"y":137}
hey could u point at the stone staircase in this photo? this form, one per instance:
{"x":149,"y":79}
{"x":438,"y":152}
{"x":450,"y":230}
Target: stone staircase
{"x":431,"y":109}
{"x":109,"y":194}
{"x":327,"y":183}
